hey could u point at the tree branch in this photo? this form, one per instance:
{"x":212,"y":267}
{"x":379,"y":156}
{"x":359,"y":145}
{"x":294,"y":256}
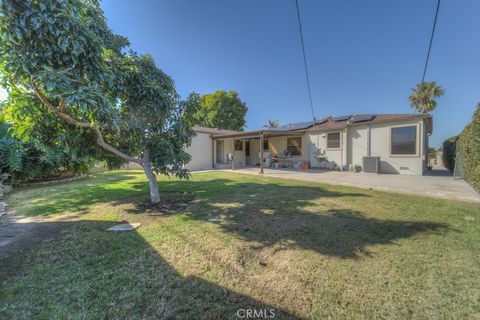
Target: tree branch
{"x":100,"y":141}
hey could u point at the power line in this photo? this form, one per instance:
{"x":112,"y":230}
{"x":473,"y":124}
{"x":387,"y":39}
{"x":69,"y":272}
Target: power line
{"x":305,"y":60}
{"x":431,"y":41}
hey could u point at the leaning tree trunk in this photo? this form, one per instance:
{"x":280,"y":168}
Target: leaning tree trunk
{"x":152,"y":179}
{"x":145,"y":162}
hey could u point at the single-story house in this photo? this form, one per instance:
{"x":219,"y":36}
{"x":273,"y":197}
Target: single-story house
{"x":383,"y":143}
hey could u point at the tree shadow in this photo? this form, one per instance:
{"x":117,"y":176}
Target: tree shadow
{"x":107,"y":276}
{"x":266,"y":212}
{"x":285,"y":217}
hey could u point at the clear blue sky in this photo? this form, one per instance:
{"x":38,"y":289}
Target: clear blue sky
{"x":364,"y":56}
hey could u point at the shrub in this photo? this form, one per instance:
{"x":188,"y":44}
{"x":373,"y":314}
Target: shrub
{"x":468,"y":147}
{"x":449,"y":152}
{"x":31,"y":160}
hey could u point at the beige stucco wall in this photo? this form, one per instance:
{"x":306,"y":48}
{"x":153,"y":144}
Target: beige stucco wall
{"x":254,"y":158}
{"x":318,"y":141}
{"x":277,"y":145}
{"x":357,"y":138}
{"x":380,"y":146}
{"x":354,"y":146}
{"x":201,"y":152}
{"x":239,"y":155}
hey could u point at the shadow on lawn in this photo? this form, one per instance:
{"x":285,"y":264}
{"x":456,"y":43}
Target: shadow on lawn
{"x":274,"y":214}
{"x":283,"y":217}
{"x":107,"y":276}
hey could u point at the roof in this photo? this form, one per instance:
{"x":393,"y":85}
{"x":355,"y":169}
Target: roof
{"x":213,"y":130}
{"x":362,"y":119}
{"x":326,"y":124}
{"x":298,"y":125}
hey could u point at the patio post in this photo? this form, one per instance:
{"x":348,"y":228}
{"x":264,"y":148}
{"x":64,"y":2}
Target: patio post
{"x":233,"y":154}
{"x":261,"y":153}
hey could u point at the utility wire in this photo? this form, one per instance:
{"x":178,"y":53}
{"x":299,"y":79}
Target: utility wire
{"x":305,"y":60}
{"x":431,"y":41}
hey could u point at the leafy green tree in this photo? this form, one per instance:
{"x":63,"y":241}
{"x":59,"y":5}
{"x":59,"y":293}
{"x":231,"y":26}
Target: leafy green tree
{"x":66,"y":71}
{"x":221,"y":109}
{"x":468,"y":147}
{"x":423,"y":97}
{"x":31,"y":160}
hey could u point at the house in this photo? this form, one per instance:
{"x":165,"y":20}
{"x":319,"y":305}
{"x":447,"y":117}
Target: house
{"x":384,"y":143}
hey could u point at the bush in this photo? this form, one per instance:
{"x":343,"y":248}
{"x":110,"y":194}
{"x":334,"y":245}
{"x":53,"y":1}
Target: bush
{"x":28,"y":161}
{"x":449,"y":152}
{"x":468,"y":147}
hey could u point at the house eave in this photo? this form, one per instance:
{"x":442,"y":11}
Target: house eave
{"x":257,"y":134}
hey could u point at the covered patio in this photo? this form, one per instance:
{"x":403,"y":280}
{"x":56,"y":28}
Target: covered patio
{"x":262,"y":149}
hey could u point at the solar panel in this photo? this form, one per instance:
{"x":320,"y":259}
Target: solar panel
{"x":341,"y":118}
{"x":320,"y":121}
{"x":306,"y":124}
{"x":294,"y":126}
{"x":362,"y":118}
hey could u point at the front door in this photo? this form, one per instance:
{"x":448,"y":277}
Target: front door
{"x":247,"y":152}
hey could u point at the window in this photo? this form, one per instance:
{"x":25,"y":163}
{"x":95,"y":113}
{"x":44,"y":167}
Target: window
{"x":238,"y":145}
{"x":294,"y":146}
{"x":333,"y":140}
{"x":265,"y":145}
{"x":404,"y":140}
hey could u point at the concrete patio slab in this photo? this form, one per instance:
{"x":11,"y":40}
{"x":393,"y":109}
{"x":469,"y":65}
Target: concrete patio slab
{"x":438,"y":184}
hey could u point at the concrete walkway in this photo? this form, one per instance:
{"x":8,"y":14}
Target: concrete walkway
{"x":438,"y":184}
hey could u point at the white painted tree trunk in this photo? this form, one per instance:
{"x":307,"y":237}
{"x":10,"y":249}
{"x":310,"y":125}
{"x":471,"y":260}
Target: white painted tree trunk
{"x":152,"y":179}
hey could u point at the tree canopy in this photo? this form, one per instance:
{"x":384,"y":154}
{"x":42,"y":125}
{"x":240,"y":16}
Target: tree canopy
{"x":423,"y":97}
{"x":221,"y":109}
{"x":68,"y":75}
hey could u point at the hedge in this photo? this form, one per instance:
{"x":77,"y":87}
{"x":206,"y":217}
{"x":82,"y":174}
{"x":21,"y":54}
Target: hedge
{"x":468,"y":146}
{"x":449,"y":152}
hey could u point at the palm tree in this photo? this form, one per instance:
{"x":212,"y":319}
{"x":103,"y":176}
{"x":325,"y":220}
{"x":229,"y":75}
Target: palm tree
{"x":424,"y":95}
{"x":272,"y":124}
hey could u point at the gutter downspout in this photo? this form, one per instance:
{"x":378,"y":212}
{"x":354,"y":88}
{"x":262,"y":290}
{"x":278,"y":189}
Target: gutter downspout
{"x":369,"y":141}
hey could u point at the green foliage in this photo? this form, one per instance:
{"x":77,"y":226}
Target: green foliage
{"x":432,"y":153}
{"x":469,"y":149}
{"x":449,"y":152}
{"x":221,"y":109}
{"x":33,"y":160}
{"x":423,"y":96}
{"x":71,"y":81}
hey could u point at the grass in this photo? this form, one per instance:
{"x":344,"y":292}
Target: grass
{"x":307,"y":250}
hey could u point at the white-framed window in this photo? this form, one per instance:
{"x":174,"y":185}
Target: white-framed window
{"x":333,"y":140}
{"x":294,"y":146}
{"x":404,"y":141}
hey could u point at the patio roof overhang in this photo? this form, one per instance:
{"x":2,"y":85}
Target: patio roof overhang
{"x":257,"y":134}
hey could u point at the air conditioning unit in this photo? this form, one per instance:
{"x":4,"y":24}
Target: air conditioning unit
{"x":371,"y":164}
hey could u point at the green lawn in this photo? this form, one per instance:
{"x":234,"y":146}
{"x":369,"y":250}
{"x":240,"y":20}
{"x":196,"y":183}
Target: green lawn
{"x":306,"y":250}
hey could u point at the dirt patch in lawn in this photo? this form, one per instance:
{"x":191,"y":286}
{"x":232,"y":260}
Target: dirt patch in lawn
{"x":171,"y":203}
